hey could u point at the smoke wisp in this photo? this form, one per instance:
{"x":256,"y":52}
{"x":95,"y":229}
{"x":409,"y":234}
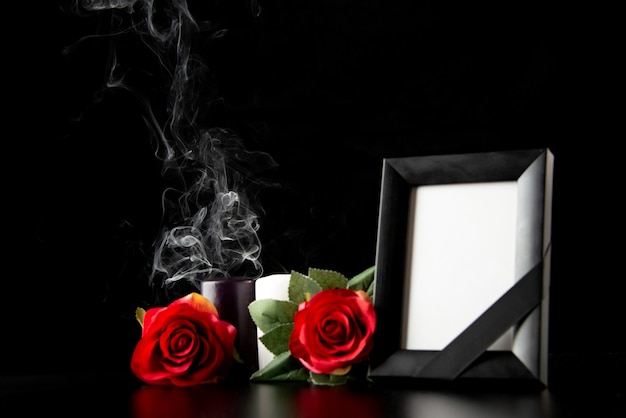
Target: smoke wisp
{"x":209,"y":212}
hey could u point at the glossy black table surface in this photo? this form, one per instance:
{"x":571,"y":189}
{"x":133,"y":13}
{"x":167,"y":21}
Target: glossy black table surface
{"x":123,"y":396}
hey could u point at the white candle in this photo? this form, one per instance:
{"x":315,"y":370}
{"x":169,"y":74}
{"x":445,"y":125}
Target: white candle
{"x":275,"y":286}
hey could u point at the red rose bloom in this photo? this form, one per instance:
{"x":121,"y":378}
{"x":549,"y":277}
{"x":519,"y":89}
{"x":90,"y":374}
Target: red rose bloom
{"x":333,"y":331}
{"x":184,"y":344}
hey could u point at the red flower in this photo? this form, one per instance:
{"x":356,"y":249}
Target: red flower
{"x":184,"y":344}
{"x":333,"y":331}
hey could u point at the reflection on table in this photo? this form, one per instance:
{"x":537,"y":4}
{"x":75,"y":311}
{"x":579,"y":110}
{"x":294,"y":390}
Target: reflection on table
{"x":126,"y":397}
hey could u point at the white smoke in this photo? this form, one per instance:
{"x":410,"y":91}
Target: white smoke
{"x":209,"y":224}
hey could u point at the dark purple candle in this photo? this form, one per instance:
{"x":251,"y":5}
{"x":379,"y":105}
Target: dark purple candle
{"x":231,"y":296}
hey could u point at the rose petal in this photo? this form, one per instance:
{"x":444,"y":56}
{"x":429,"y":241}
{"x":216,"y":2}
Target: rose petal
{"x":197,"y":302}
{"x":184,"y":344}
{"x":333,"y":330}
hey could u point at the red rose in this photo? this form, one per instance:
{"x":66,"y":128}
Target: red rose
{"x":333,"y":331}
{"x":184,"y":344}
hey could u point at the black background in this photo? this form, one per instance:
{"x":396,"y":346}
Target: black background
{"x":328,"y":89}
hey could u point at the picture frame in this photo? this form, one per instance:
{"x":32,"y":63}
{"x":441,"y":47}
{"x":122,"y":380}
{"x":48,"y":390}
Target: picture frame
{"x":518,"y":313}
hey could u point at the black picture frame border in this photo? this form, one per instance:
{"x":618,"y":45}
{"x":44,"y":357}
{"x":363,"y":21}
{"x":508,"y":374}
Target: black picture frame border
{"x":400,"y":175}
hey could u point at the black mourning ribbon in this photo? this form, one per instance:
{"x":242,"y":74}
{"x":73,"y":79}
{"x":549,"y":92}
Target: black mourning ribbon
{"x":514,"y":305}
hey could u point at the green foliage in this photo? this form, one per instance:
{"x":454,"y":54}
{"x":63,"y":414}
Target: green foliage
{"x":277,"y":339}
{"x":275,"y":319}
{"x":283,"y":367}
{"x":270,"y":313}
{"x":328,"y":379}
{"x":328,"y":279}
{"x":302,"y":287}
{"x":140,"y":313}
{"x":363,"y":281}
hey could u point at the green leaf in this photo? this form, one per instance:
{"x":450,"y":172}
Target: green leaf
{"x":363,"y":281}
{"x":328,"y":279}
{"x":139,"y":315}
{"x":328,"y":379}
{"x":270,"y":313}
{"x":370,"y":289}
{"x":277,"y":339}
{"x":236,"y":356}
{"x":302,"y":287}
{"x":283,"y":367}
